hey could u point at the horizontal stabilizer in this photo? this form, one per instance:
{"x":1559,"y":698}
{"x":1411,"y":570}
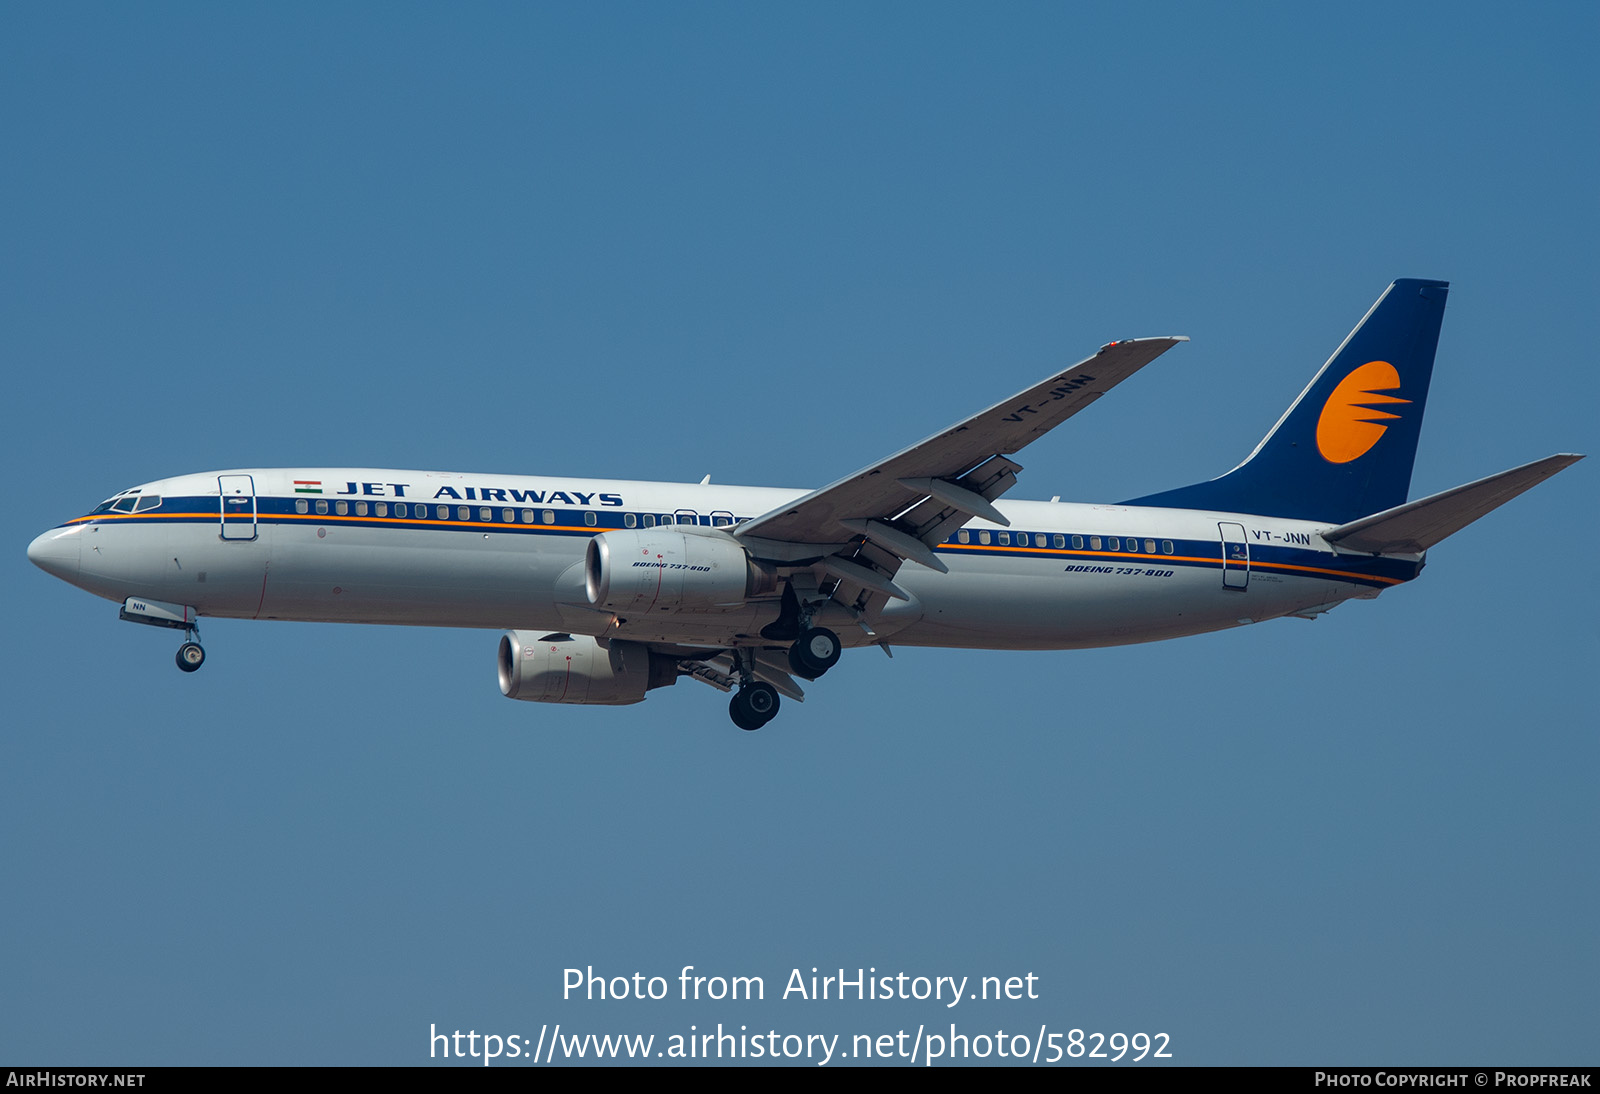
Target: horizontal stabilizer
{"x":1418,"y":525}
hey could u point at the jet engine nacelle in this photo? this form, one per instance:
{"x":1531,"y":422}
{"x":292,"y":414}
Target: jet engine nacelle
{"x":565,"y":668}
{"x":661,"y":569}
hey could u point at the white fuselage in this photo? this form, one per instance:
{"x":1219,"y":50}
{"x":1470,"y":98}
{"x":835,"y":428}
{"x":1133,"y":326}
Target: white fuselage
{"x":374,"y":546}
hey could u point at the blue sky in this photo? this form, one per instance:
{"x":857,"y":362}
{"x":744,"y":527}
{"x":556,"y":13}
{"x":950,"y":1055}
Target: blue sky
{"x":772,"y":245}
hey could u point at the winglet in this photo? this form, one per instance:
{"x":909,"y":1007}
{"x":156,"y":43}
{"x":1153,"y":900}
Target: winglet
{"x":1170,"y":339}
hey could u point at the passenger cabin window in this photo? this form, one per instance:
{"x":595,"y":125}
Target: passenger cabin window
{"x":399,"y":508}
{"x":963,"y":536}
{"x":1149,"y":546}
{"x":341,"y":508}
{"x":1094,"y":543}
{"x":508,"y":516}
{"x":549,"y":516}
{"x":463,"y":512}
{"x":322,"y":508}
{"x":649,"y":520}
{"x":589,"y":519}
{"x":1060,"y":542}
{"x":983,"y":537}
{"x":1166,"y":546}
{"x":361,"y":508}
{"x":485,"y":513}
{"x":381,"y":508}
{"x":1077,"y":543}
{"x":629,"y":520}
{"x":527,"y":516}
{"x":301,"y":505}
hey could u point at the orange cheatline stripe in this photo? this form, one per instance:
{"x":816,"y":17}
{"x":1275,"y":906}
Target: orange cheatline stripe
{"x":1148,"y":559}
{"x":210,"y":515}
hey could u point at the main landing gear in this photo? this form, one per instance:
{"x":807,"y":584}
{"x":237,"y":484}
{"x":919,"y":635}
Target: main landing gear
{"x":813,"y":653}
{"x":753,"y":705}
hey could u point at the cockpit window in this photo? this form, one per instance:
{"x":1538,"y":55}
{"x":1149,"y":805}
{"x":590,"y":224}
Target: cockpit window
{"x":148,"y":502}
{"x":122,"y":502}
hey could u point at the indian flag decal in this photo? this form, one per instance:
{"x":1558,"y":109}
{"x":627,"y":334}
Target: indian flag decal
{"x":308,"y":486}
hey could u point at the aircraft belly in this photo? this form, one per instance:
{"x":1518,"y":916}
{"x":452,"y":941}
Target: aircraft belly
{"x":1019,"y":606}
{"x":425,"y":578}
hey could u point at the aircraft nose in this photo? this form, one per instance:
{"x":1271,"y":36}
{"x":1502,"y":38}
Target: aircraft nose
{"x":56,"y":553}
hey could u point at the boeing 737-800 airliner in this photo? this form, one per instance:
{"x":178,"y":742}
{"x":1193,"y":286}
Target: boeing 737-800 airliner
{"x":607,"y":589}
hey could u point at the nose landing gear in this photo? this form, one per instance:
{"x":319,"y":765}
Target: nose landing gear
{"x":178,"y":617}
{"x":191,"y":655}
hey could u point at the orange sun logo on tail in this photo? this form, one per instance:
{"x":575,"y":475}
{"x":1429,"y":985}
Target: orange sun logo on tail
{"x":1349,"y":426}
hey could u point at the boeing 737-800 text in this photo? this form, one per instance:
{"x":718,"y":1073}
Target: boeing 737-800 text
{"x":607,"y":589}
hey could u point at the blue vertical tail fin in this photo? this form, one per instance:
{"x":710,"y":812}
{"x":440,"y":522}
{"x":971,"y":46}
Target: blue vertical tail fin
{"x":1345,"y":448}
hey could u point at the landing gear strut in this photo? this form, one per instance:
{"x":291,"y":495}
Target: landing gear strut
{"x":756,"y":702}
{"x":191,"y":655}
